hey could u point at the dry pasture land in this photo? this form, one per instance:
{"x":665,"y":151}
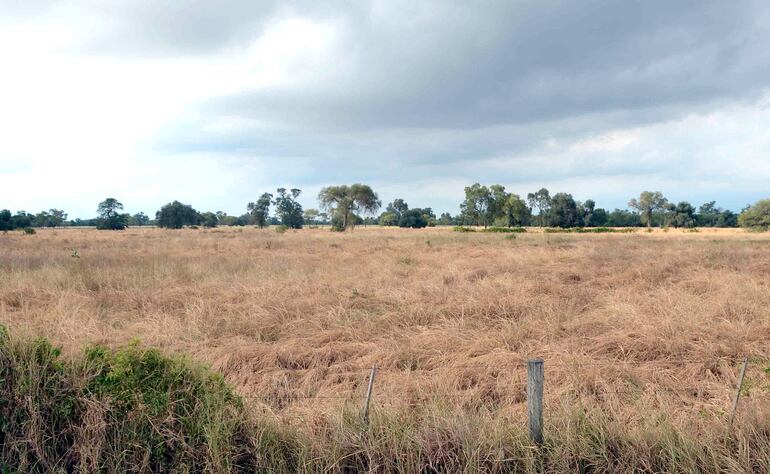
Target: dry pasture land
{"x":642,"y":333}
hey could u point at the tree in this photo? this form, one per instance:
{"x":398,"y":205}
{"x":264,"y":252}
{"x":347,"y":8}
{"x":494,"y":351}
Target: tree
{"x":287,"y":209}
{"x":388,"y":219}
{"x":50,"y":218}
{"x":310,"y":216}
{"x":414,"y":218}
{"x":681,"y":215}
{"x":564,"y":211}
{"x":623,"y":218}
{"x":540,"y":200}
{"x":476,"y":206}
{"x":139,"y":219}
{"x":260,"y":210}
{"x":446,"y":219}
{"x":176,"y":215}
{"x":209,"y":219}
{"x":342,"y":201}
{"x":756,"y":217}
{"x":109,"y":216}
{"x":515,"y":211}
{"x":598,"y":218}
{"x":397,"y":208}
{"x":6,"y":222}
{"x":709,"y":215}
{"x":647,"y":204}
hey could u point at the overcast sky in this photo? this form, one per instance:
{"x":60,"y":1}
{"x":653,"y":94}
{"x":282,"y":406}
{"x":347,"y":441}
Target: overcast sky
{"x":213,"y":103}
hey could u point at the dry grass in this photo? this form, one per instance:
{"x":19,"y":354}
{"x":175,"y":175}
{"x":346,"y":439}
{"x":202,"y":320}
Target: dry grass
{"x":635,"y":326}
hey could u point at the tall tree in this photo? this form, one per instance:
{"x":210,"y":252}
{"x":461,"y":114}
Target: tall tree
{"x":476,"y":205}
{"x":540,"y":200}
{"x":648,"y":203}
{"x":343,"y":201}
{"x":516,"y":211}
{"x":681,"y":215}
{"x":110,"y":217}
{"x":176,"y":215}
{"x":288,"y":210}
{"x":260,"y":210}
{"x":564,"y":211}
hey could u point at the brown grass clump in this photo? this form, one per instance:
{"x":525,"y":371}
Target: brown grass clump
{"x":641,"y":332}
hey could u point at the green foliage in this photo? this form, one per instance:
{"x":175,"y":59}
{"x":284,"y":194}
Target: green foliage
{"x":109,"y":216}
{"x":413,"y":218}
{"x":6,"y":222}
{"x":647,"y":204}
{"x":288,"y":210}
{"x":260,"y":210}
{"x":131,"y":409}
{"x":540,"y":200}
{"x":388,"y":219}
{"x":139,"y":219}
{"x":28,"y":231}
{"x":209,"y":219}
{"x":343,"y":201}
{"x":505,"y":229}
{"x":756,"y":217}
{"x":176,"y":215}
{"x":460,"y":228}
{"x":281,"y":229}
{"x":563,"y":212}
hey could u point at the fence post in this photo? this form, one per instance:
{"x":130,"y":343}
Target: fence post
{"x":535,"y":380}
{"x":738,"y":390}
{"x":369,"y":393}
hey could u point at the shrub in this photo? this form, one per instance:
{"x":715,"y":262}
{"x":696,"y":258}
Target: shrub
{"x":115,"y":411}
{"x":757,"y":217}
{"x":505,"y":229}
{"x":29,"y":231}
{"x":459,"y":228}
{"x":281,"y":229}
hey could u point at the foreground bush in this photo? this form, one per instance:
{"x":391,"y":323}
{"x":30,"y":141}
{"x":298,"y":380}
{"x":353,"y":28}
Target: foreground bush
{"x":505,"y":229}
{"x":126,"y":410}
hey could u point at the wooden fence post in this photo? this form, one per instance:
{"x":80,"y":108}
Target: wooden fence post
{"x":738,"y":390}
{"x":369,"y":393}
{"x":535,"y":380}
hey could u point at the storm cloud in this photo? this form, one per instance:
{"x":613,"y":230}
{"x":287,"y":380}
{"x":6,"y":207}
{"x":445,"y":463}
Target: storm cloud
{"x":602,"y":99}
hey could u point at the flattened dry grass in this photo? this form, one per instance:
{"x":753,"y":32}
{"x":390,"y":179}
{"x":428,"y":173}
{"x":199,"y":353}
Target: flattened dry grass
{"x":641,"y":332}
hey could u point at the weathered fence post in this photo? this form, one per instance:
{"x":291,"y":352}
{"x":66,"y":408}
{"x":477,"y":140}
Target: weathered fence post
{"x":535,"y":399}
{"x":369,"y":393}
{"x":738,"y":390}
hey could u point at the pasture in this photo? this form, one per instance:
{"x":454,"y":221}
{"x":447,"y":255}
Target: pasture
{"x":642,"y":333}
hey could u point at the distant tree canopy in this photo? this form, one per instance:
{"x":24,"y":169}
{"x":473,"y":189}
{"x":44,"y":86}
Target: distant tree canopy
{"x":756,"y":217}
{"x":345,"y":201}
{"x":139,"y":219}
{"x":288,"y":210}
{"x":176,"y":215}
{"x":260,"y":210}
{"x":648,"y":203}
{"x":109,"y":217}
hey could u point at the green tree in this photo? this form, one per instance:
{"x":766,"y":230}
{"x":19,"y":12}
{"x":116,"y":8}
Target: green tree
{"x":681,"y":215}
{"x":515,"y":211}
{"x":397,"y":207}
{"x":564,"y":212}
{"x":139,"y":219}
{"x":756,"y":217}
{"x":623,"y":218}
{"x":176,"y":215}
{"x":540,"y":200}
{"x":476,"y":206}
{"x":260,"y":210}
{"x":388,"y":218}
{"x":6,"y":220}
{"x":209,"y":219}
{"x":414,"y":218}
{"x":311,"y":216}
{"x":109,"y":215}
{"x":344,"y":201}
{"x":287,"y":209}
{"x":648,"y":203}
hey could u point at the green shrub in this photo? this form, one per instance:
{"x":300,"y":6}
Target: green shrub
{"x":281,"y":229}
{"x":757,"y":217}
{"x":115,"y":410}
{"x":505,"y":229}
{"x":28,"y":231}
{"x":460,"y":228}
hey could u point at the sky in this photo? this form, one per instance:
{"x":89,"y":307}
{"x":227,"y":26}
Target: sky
{"x":213,"y":103}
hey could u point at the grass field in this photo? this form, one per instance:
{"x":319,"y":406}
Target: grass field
{"x":642,"y":336}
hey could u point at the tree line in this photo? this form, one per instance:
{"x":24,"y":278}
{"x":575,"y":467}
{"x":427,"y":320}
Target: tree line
{"x":345,"y":206}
